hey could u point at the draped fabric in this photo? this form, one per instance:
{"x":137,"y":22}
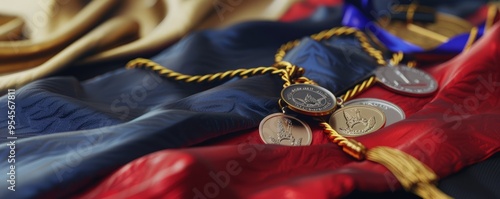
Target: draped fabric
{"x":115,"y":121}
{"x":453,"y":129}
{"x":133,"y":134}
{"x":63,"y":33}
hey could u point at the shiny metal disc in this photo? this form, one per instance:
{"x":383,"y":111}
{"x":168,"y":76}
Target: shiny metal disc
{"x":309,"y":99}
{"x":405,"y":80}
{"x":356,"y":120}
{"x":286,"y":130}
{"x":427,"y":35}
{"x":393,"y":113}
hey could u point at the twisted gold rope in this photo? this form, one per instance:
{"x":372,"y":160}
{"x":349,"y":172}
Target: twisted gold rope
{"x":365,"y":44}
{"x":340,"y":31}
{"x":366,"y":84}
{"x":359,"y":88}
{"x":350,"y":146}
{"x":165,"y":72}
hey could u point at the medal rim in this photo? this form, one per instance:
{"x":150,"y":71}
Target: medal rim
{"x":403,"y":92}
{"x":306,"y":126}
{"x":396,"y":107}
{"x":352,"y":106}
{"x":311,"y":113}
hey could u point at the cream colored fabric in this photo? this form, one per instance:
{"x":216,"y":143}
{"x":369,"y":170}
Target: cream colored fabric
{"x":10,"y":28}
{"x":58,"y":33}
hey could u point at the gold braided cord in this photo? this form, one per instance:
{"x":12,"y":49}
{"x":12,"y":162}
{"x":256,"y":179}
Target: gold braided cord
{"x":413,"y":175}
{"x":492,"y":13}
{"x":359,"y":88}
{"x":411,"y":12}
{"x":365,"y":44}
{"x":411,"y":64}
{"x":326,"y":34}
{"x":366,"y":84}
{"x":304,"y":80}
{"x":350,"y":146}
{"x":396,"y":58}
{"x":165,"y":72}
{"x":471,"y":39}
{"x":284,"y":48}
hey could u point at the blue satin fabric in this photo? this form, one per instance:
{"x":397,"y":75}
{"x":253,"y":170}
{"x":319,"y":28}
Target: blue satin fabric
{"x":336,"y":64}
{"x":73,"y":133}
{"x":362,"y":14}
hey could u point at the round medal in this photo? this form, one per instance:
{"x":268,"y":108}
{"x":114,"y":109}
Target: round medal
{"x":286,"y":130}
{"x":391,"y":111}
{"x":405,"y":80}
{"x":356,"y":120}
{"x":309,"y":99}
{"x":427,"y":35}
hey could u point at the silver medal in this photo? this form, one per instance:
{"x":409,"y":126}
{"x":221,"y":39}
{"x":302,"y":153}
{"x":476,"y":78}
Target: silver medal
{"x":393,"y":112}
{"x":309,"y":99}
{"x":405,"y":80}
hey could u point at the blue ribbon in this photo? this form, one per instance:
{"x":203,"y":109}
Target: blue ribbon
{"x":357,"y":14}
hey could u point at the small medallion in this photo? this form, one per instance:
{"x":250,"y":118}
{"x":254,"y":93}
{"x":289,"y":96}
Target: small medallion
{"x":309,"y":99}
{"x":286,"y":130}
{"x":356,"y":120}
{"x":405,"y":80}
{"x":391,"y":111}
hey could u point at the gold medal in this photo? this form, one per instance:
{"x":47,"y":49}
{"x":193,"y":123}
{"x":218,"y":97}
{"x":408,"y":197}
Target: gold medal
{"x":357,"y":120}
{"x":392,"y":112}
{"x":286,"y":130}
{"x":427,"y":35}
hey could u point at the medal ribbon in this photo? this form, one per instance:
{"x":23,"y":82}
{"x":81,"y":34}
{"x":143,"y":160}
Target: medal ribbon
{"x":354,"y":16}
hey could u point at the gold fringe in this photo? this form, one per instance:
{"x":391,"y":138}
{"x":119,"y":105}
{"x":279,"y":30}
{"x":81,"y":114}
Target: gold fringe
{"x":413,"y":175}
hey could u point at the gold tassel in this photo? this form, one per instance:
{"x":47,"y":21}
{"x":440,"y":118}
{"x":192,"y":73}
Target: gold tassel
{"x":413,"y":175}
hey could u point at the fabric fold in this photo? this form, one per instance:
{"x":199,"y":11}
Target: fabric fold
{"x":449,"y":131}
{"x":160,"y":23}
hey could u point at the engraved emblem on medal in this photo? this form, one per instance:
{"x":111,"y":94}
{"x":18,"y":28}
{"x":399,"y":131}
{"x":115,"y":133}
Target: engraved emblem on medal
{"x":392,"y":112}
{"x":309,"y":99}
{"x":356,"y":120}
{"x":405,"y":80}
{"x":286,"y":130}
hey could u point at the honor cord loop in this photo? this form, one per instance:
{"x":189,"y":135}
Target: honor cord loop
{"x":413,"y":175}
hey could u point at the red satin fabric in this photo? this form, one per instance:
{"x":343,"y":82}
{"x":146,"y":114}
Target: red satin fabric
{"x":480,"y":15}
{"x":456,"y":127}
{"x":303,"y":9}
